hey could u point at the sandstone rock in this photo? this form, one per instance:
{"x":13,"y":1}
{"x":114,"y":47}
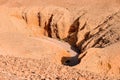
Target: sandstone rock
{"x":103,"y":61}
{"x":49,"y":21}
{"x":33,"y":30}
{"x":79,"y":30}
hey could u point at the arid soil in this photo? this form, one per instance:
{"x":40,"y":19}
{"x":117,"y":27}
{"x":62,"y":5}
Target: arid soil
{"x":59,"y":40}
{"x":14,"y":68}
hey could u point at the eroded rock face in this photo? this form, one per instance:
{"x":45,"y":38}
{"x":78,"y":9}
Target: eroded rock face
{"x":53,"y":22}
{"x":103,"y":61}
{"x":103,"y":35}
{"x":89,"y":28}
{"x":78,"y":31}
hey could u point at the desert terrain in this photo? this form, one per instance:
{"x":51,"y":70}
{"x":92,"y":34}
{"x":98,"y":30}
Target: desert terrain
{"x":60,"y":40}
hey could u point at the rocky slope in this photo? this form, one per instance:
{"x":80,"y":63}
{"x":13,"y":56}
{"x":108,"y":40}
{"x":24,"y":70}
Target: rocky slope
{"x":103,"y":61}
{"x":78,"y":29}
{"x":13,"y":68}
{"x":85,"y":33}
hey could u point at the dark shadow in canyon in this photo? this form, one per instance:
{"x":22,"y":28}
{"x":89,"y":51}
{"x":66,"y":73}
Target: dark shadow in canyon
{"x":70,"y":61}
{"x":72,"y":39}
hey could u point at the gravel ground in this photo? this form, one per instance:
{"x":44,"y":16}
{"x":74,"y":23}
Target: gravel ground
{"x":16,"y":68}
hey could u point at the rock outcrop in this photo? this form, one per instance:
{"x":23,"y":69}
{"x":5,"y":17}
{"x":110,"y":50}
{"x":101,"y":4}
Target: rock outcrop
{"x":69,"y":32}
{"x":103,"y":61}
{"x":60,"y":23}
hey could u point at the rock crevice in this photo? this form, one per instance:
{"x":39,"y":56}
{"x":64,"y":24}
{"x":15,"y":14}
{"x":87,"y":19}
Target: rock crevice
{"x":58,"y":23}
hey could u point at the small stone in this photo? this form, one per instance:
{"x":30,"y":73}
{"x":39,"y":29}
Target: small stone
{"x":42,"y":77}
{"x":81,"y":78}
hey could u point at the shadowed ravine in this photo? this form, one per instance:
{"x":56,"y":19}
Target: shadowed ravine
{"x":59,"y":40}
